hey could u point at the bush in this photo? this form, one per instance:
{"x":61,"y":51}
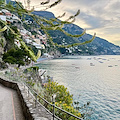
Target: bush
{"x":63,"y":100}
{"x":67,"y":108}
{"x":34,"y":68}
{"x":61,"y":92}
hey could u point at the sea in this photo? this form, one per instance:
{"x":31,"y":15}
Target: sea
{"x":94,"y":79}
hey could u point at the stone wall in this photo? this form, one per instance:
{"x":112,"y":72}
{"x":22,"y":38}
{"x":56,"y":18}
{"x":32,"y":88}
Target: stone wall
{"x":30,"y":110}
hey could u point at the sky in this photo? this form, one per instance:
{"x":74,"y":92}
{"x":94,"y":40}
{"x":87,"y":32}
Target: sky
{"x":96,"y":16}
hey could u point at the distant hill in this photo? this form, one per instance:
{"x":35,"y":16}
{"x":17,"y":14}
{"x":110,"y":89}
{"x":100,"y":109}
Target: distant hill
{"x":98,"y":47}
{"x":44,"y":14}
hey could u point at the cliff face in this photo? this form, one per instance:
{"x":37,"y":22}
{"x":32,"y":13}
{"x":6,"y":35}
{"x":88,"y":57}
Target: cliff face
{"x":55,"y":53}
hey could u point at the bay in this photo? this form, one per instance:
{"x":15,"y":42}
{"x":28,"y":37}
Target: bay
{"x":96,"y":79}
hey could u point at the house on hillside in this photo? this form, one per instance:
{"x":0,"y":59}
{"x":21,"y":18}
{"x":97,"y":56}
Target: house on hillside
{"x":1,"y":13}
{"x":38,"y":46}
{"x":43,"y":39}
{"x":37,"y":40}
{"x":25,"y":32}
{"x":5,"y":15}
{"x":28,"y":41}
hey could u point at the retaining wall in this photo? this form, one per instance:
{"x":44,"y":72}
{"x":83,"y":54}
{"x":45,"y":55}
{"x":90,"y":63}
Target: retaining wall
{"x":27,"y":102}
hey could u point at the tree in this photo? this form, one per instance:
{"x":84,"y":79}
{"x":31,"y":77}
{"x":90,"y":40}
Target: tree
{"x":10,"y":37}
{"x":16,"y":56}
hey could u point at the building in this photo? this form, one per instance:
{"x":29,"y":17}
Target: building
{"x":38,"y":46}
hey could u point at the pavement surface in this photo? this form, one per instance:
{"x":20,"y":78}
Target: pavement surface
{"x":10,"y":107}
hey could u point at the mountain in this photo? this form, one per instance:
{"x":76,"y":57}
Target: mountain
{"x":45,"y":14}
{"x":98,"y":47}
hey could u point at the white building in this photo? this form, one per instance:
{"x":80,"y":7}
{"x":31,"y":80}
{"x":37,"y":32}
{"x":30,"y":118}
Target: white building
{"x":38,"y":46}
{"x":28,"y":41}
{"x":37,"y":40}
{"x":3,"y":17}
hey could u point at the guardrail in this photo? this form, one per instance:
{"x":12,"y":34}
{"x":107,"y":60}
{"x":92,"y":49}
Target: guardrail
{"x":36,"y":96}
{"x":53,"y":105}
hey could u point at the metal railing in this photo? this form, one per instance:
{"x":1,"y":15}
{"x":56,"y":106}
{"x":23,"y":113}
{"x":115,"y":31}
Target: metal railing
{"x":53,"y":104}
{"x":36,"y":96}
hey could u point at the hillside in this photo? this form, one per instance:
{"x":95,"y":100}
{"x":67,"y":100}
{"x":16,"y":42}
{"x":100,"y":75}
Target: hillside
{"x":98,"y":47}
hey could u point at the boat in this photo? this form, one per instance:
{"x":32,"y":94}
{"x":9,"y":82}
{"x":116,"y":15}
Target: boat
{"x":77,"y":67}
{"x":100,"y":62}
{"x":91,"y":64}
{"x":110,"y":66}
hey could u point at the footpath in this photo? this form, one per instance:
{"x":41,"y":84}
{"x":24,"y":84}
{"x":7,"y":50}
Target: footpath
{"x":18,"y":104}
{"x":10,"y":107}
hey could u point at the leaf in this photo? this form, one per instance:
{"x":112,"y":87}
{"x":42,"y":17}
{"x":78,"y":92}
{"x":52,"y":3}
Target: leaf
{"x":78,"y":12}
{"x":77,"y":44}
{"x":73,"y":35}
{"x":55,"y":3}
{"x":3,"y":29}
{"x":38,"y":54}
{"x":33,"y":57}
{"x":43,"y":3}
{"x":61,"y":16}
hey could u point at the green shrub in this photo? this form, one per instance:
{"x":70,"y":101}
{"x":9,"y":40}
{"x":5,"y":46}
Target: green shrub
{"x":63,"y":100}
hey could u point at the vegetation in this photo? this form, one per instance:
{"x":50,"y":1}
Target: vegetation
{"x":20,"y":55}
{"x":62,"y":95}
{"x":63,"y":99}
{"x":48,"y":24}
{"x":68,"y":108}
{"x":16,"y":56}
{"x":3,"y":65}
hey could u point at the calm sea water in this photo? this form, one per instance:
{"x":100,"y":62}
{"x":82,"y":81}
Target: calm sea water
{"x":94,"y":78}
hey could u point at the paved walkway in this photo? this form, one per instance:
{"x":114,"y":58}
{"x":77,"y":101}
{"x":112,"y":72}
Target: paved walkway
{"x":10,"y":108}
